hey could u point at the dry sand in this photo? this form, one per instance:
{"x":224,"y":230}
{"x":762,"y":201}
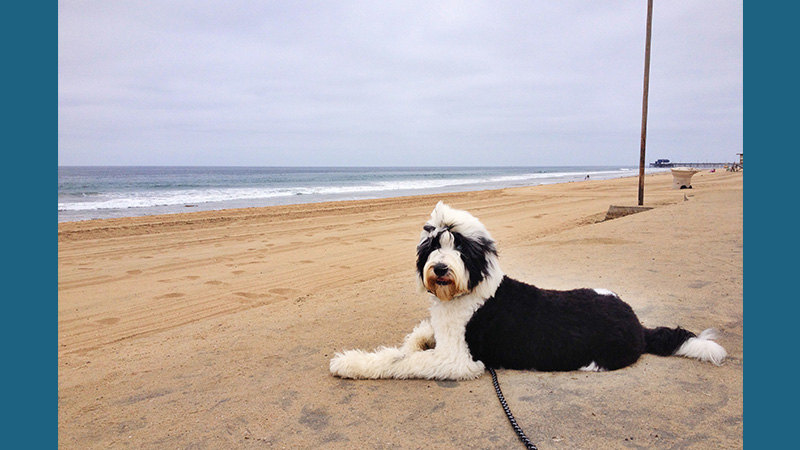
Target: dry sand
{"x":213,"y":330}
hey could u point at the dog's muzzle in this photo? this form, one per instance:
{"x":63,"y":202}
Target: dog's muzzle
{"x":442,"y":274}
{"x":440,"y":282}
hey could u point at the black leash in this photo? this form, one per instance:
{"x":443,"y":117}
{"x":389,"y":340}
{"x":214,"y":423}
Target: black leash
{"x":530,"y":445}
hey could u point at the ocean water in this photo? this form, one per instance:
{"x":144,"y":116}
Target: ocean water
{"x":86,"y":193}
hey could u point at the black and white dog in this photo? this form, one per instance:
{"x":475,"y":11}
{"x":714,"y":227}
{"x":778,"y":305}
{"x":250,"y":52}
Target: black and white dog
{"x":481,"y":318}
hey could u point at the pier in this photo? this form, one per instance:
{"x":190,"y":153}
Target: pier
{"x":667,"y":164}
{"x":699,"y":165}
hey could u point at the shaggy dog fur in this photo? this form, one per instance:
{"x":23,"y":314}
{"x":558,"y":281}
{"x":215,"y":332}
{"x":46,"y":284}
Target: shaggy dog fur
{"x":481,"y":318}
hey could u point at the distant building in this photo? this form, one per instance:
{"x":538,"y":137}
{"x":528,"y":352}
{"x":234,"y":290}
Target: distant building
{"x":661,"y":163}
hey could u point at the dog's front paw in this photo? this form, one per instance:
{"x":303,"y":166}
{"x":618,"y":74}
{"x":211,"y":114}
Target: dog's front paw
{"x":421,"y":339}
{"x":342,"y":364}
{"x":358,"y":364}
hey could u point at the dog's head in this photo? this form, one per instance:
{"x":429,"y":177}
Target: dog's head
{"x":456,"y":255}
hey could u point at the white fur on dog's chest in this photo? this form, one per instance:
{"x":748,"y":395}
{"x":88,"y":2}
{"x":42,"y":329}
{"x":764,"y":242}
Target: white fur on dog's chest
{"x":449,"y":321}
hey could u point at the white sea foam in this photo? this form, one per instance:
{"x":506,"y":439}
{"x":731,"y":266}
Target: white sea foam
{"x":166,"y":193}
{"x":195,"y":196}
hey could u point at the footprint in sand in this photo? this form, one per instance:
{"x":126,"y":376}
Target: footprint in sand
{"x":249,"y":298}
{"x":285,"y":292}
{"x":248,"y":295}
{"x":109,"y":321}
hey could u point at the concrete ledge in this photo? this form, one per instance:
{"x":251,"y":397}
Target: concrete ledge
{"x":620,"y":211}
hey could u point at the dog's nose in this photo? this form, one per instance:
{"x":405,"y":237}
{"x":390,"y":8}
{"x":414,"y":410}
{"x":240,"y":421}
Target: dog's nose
{"x":440,"y":269}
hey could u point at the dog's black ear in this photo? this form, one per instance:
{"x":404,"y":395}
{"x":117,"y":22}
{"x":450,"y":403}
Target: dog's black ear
{"x":474,"y":252}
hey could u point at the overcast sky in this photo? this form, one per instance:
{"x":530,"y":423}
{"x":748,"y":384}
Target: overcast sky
{"x":409,"y":83}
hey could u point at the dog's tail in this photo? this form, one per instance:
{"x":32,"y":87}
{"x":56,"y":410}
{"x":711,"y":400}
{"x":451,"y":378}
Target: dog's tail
{"x":665,"y":341}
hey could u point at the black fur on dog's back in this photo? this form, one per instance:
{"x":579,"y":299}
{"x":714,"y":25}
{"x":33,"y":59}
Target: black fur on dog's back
{"x":524,"y":327}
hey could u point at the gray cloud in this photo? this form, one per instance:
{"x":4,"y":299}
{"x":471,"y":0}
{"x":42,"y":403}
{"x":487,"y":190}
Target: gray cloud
{"x":396,"y":83}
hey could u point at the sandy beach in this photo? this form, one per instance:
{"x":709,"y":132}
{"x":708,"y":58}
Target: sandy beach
{"x":214,"y":330}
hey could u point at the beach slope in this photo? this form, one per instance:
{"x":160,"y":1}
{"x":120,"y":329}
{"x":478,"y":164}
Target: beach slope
{"x":215,"y":329}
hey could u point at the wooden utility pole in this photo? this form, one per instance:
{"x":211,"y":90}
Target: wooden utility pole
{"x":644,"y":100}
